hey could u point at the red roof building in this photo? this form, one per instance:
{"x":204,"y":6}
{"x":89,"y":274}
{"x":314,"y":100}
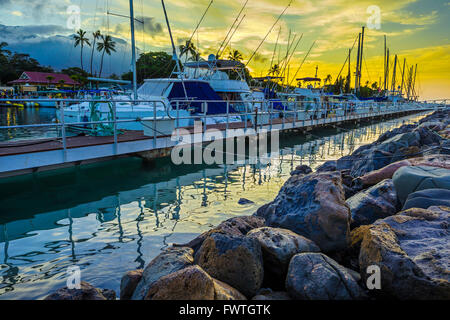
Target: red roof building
{"x":33,"y":78}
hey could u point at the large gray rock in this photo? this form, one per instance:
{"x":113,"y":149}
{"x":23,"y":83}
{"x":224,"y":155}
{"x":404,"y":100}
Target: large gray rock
{"x":129,"y":283}
{"x":377,"y":202}
{"x":427,"y":198}
{"x":399,"y":147}
{"x":238,"y":226}
{"x":411,"y":249}
{"x":314,"y":276}
{"x":278,"y":246}
{"x":169,"y":261}
{"x":86,"y":292}
{"x":312,"y":206}
{"x":235,"y":260}
{"x":190,"y":283}
{"x":411,"y":179}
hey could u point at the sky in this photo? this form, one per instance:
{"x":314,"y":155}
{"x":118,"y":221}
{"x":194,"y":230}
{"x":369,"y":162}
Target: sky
{"x":417,"y":30}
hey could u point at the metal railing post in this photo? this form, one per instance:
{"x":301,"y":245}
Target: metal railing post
{"x":154,"y":125}
{"x":63,"y":134}
{"x":115,"y":127}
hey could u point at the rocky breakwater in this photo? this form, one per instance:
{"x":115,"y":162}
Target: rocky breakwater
{"x":379,"y":216}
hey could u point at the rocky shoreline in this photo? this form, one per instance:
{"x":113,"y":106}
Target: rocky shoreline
{"x":371,"y":225}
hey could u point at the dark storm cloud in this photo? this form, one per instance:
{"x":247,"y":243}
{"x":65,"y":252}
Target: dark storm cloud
{"x":149,"y":26}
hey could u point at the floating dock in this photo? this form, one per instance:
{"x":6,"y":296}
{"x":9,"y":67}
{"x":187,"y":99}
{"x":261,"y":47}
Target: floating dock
{"x":29,"y":156}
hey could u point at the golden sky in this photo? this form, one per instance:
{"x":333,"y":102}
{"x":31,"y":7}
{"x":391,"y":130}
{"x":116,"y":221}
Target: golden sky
{"x":417,"y":30}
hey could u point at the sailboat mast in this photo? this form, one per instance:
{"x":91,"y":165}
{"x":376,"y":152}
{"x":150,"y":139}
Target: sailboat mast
{"x":361,"y":58}
{"x":133,"y":51}
{"x":403,"y":77}
{"x":394,"y":74}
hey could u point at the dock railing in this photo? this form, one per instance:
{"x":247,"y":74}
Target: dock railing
{"x":259,"y":114}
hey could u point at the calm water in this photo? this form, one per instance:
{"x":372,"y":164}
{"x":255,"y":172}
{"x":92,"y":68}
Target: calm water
{"x":11,"y":116}
{"x":117,"y":216}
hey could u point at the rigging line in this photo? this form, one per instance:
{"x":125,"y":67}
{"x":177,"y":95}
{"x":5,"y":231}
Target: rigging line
{"x":291,"y":54}
{"x":271,"y":28}
{"x":345,"y":62}
{"x":231,"y":37}
{"x":231,"y":28}
{"x":307,"y":54}
{"x":201,"y":20}
{"x":274,"y":50}
{"x":367,"y":69}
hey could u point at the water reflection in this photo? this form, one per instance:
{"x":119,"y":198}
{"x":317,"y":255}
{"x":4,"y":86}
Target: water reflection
{"x":117,"y":216}
{"x":11,"y":116}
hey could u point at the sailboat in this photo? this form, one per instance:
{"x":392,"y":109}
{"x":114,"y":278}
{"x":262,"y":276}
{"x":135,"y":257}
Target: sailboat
{"x":163,"y":100}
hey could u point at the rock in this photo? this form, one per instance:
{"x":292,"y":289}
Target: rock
{"x":223,"y":291}
{"x":411,"y":250}
{"x":86,"y":292}
{"x":394,"y":149}
{"x":376,"y":176}
{"x":301,"y":169}
{"x":427,"y":198}
{"x":411,"y":179}
{"x":237,"y":226}
{"x":190,"y":283}
{"x":344,"y":163}
{"x":314,"y":276}
{"x":375,"y":203}
{"x":312,"y":206}
{"x":387,"y":172}
{"x":272,"y":295}
{"x":244,"y":201}
{"x":433,"y":125}
{"x":278,"y":246}
{"x":129,"y":283}
{"x":427,"y":137}
{"x":389,"y":134}
{"x":235,"y":260}
{"x":167,"y":262}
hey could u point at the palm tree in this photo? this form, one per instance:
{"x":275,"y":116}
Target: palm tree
{"x":327,"y":79}
{"x":96,"y":35}
{"x":106,"y":46}
{"x":49,"y":79}
{"x":81,"y":40}
{"x":235,"y":55}
{"x":275,"y":70}
{"x":188,"y":49}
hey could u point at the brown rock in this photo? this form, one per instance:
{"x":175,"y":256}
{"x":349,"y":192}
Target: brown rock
{"x":235,"y":260}
{"x":238,"y":226}
{"x":312,"y":206}
{"x":86,"y":292}
{"x":190,"y":283}
{"x":169,"y":261}
{"x":223,"y":291}
{"x":129,"y":283}
{"x":411,"y":250}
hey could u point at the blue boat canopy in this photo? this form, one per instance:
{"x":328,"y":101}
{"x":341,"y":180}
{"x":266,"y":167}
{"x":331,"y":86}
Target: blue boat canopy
{"x":198,"y":90}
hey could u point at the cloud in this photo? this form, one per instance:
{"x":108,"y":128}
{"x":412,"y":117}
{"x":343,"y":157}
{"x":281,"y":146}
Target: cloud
{"x":148,"y":26}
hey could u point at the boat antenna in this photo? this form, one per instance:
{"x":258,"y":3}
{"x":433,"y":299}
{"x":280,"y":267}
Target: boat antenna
{"x":231,"y":28}
{"x":201,"y":20}
{"x":307,"y":54}
{"x":274,"y":50}
{"x":228,"y":41}
{"x":174,"y":50}
{"x":133,"y":51}
{"x":270,"y":30}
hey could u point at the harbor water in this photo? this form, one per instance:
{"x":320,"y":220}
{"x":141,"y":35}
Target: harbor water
{"x":108,"y":218}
